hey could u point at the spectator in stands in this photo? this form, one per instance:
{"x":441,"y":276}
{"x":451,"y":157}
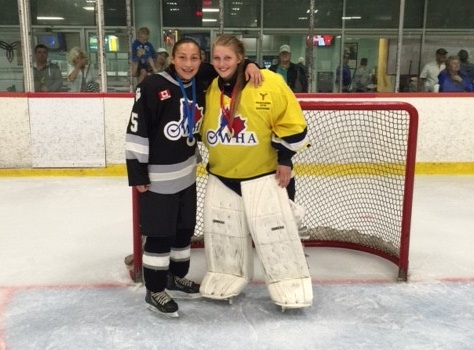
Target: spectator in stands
{"x":346,"y":78}
{"x":293,"y":74}
{"x":47,"y":75}
{"x":467,"y":68}
{"x":361,"y":77}
{"x":82,"y":76}
{"x":430,"y":72}
{"x":143,"y":55}
{"x":452,"y":79}
{"x":161,"y":59}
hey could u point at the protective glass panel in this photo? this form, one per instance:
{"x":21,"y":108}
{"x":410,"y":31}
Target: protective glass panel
{"x":455,"y":14}
{"x":242,"y":13}
{"x":185,"y":13}
{"x":295,"y":13}
{"x":60,"y":13}
{"x":9,"y":12}
{"x":11,"y":64}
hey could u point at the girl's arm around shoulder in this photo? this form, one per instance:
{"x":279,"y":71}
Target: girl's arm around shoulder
{"x":253,"y":73}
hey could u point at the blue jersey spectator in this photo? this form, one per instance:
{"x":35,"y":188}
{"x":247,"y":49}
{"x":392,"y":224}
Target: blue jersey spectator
{"x":346,"y":75}
{"x":452,"y":79}
{"x":143,"y":55}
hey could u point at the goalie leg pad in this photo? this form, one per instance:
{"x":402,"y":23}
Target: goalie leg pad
{"x":227,"y":243}
{"x":298,"y":212}
{"x":275,"y":234}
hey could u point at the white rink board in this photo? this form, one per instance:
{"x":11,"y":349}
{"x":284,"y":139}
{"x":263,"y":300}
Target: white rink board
{"x":67,"y":132}
{"x":90,"y":131}
{"x":15,"y":135}
{"x":117,"y":114}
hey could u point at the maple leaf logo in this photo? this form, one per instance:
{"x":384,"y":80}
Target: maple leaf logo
{"x":198,"y":114}
{"x":238,"y":125}
{"x":197,"y":110}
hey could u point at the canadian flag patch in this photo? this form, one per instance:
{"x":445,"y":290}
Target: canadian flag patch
{"x":163,"y":95}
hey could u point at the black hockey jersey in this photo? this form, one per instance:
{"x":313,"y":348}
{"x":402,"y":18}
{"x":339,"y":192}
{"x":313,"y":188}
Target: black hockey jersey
{"x":159,"y":151}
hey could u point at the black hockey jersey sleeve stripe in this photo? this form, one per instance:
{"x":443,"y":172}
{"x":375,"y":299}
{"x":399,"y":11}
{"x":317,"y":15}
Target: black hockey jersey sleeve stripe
{"x":136,"y":147}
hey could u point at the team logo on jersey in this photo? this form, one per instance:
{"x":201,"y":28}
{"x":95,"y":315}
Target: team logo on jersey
{"x":176,"y":129}
{"x":264,"y":104}
{"x":164,"y":95}
{"x":239,"y":136}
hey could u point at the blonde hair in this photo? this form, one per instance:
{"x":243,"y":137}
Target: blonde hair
{"x":143,"y":30}
{"x":451,"y":58}
{"x":238,"y":47}
{"x":74,"y":53}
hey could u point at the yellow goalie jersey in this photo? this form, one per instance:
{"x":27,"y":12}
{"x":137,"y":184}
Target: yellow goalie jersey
{"x":269,"y":121}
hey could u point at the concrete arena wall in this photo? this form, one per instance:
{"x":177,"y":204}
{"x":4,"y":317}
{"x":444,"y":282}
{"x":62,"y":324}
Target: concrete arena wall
{"x":48,"y":131}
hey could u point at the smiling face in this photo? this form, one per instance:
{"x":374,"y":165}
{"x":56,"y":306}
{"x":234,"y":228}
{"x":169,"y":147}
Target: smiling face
{"x":186,"y":59}
{"x":225,"y":61}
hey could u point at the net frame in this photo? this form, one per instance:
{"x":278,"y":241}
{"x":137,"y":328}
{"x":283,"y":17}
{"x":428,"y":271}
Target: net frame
{"x":391,"y":176}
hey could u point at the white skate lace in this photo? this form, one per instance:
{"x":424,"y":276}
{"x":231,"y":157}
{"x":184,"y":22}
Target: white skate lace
{"x":184,"y":282}
{"x":161,"y":297}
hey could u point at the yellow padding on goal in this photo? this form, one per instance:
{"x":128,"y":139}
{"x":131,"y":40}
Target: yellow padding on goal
{"x":110,"y":170}
{"x":460,"y":168}
{"x":349,"y":169}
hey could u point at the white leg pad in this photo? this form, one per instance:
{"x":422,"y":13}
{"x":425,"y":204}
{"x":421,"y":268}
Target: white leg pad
{"x":292,"y":293}
{"x":298,"y":212}
{"x":222,"y":286}
{"x":227,"y":243}
{"x":275,"y":234}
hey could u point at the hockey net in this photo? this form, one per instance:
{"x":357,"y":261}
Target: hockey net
{"x":355,"y":180}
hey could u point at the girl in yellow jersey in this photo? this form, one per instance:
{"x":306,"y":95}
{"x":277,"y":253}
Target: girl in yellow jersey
{"x":250,"y":133}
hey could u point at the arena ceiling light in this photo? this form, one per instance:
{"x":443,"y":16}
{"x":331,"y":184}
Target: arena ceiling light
{"x":49,"y":18}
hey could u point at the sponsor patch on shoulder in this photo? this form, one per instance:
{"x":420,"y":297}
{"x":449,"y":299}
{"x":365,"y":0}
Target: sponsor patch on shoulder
{"x":163,"y":95}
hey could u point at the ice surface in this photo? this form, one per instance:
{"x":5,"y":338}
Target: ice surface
{"x":63,"y":284}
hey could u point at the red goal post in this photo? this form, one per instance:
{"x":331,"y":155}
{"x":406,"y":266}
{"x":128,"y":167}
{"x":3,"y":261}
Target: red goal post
{"x":355,"y":180}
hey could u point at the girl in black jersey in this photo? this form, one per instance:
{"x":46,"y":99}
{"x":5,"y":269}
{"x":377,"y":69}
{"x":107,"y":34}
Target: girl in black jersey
{"x":161,"y":165}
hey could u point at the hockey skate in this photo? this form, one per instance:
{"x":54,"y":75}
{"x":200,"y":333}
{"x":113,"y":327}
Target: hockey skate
{"x":161,"y":303}
{"x":182,"y":288}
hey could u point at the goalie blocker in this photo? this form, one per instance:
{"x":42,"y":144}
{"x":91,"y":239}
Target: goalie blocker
{"x":263,"y":214}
